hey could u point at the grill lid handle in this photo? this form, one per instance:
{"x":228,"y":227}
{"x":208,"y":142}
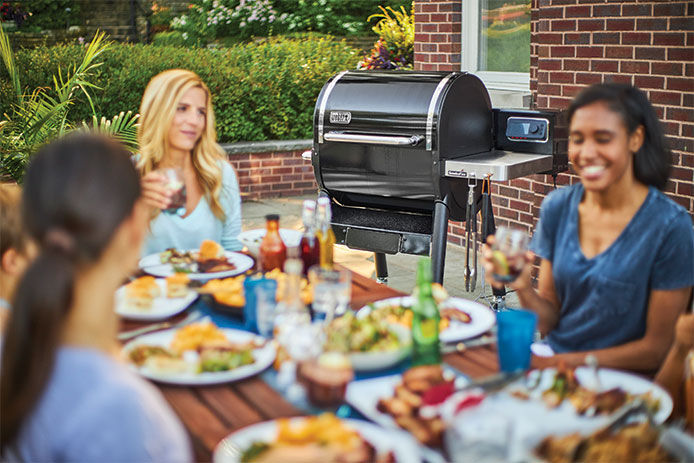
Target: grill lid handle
{"x":391,"y":140}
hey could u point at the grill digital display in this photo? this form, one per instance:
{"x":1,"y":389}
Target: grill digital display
{"x":527,"y":129}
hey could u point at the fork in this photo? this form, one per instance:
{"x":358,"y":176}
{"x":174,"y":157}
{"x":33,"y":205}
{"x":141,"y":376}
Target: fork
{"x":127,"y":335}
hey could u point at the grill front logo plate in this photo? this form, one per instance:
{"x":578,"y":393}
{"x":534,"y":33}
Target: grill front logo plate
{"x":340,"y":117}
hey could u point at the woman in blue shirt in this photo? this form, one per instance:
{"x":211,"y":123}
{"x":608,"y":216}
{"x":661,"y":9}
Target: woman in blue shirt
{"x":177,"y":129}
{"x":64,"y":393}
{"x":617,"y":255}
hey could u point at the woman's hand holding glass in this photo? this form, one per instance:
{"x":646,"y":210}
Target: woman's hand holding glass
{"x":505,"y":258}
{"x":165,"y":189}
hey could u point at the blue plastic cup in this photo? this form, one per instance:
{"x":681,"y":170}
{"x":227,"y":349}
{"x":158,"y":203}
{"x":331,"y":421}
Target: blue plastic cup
{"x":250,"y":288}
{"x":515,"y":334}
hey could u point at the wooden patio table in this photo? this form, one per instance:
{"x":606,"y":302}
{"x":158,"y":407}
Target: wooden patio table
{"x":210,"y":413}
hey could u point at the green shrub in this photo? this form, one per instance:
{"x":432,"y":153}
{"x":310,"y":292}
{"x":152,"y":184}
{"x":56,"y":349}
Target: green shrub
{"x":168,"y":39}
{"x":52,"y":14}
{"x":261,"y":91}
{"x":207,"y":20}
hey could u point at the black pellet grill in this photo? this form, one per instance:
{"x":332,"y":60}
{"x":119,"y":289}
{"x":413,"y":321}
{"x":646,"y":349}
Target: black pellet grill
{"x":395,"y":150}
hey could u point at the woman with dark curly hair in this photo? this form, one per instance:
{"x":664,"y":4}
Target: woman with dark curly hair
{"x":617,"y":255}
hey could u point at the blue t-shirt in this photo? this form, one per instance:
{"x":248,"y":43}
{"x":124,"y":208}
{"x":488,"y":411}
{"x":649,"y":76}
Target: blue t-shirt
{"x":173,"y":231}
{"x":95,"y":409}
{"x":604,"y":300}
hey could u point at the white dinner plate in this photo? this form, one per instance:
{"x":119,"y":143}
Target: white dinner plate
{"x":402,"y":445}
{"x":482,"y":319}
{"x":152,"y":264}
{"x":263,"y":356}
{"x":252,"y":238}
{"x":162,"y":306}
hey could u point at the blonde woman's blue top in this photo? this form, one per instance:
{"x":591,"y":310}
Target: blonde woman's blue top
{"x":173,"y":231}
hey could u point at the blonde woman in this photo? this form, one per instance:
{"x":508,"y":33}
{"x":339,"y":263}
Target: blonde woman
{"x":177,"y":130}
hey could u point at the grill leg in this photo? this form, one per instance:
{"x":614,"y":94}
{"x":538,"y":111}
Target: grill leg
{"x":438,"y":239}
{"x":381,"y":267}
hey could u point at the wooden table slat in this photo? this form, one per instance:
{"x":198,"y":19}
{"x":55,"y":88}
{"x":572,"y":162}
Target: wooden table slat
{"x":468,"y":366}
{"x":233,"y":409}
{"x":265,"y":399}
{"x":203,"y":426}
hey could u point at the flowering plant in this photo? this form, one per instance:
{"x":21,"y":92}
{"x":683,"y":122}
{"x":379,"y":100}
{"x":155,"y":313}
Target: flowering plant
{"x":208,"y":19}
{"x":395,"y":46}
{"x":13,"y":12}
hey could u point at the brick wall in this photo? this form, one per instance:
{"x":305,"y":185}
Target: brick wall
{"x":273,"y":174}
{"x":575,"y":43}
{"x":437,"y":26}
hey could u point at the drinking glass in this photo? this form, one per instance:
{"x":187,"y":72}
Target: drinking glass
{"x":176,"y":185}
{"x":515,"y":334}
{"x":331,"y":291}
{"x":508,"y":253}
{"x":265,"y":304}
{"x":252,"y":287}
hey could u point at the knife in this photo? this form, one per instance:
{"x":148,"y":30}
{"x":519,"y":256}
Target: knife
{"x":463,"y":346}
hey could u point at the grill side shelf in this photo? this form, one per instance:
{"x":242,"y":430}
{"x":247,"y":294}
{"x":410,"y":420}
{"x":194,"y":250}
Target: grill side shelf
{"x":501,"y":165}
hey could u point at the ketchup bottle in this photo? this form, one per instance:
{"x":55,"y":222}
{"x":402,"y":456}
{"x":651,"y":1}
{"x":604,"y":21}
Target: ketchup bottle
{"x":273,"y":252}
{"x":308,"y":246}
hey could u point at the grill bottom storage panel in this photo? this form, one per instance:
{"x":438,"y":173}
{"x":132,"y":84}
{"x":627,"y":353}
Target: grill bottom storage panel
{"x":382,"y":231}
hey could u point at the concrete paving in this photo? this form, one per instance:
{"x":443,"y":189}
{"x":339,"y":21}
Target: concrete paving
{"x":401,"y":267}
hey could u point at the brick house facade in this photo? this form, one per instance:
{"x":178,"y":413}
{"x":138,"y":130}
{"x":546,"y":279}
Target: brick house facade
{"x":575,"y":43}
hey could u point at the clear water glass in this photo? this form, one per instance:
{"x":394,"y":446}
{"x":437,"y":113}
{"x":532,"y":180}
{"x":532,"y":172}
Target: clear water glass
{"x":176,"y":185}
{"x":331,"y":291}
{"x":508,"y":253}
{"x":265,"y":305}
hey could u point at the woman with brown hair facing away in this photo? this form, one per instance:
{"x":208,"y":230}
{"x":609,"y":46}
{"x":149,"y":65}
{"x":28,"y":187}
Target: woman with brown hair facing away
{"x":64,"y":396}
{"x":177,"y":130}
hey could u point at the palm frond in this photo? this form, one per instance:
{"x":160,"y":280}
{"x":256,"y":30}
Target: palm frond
{"x":8,"y":59}
{"x":122,"y":127}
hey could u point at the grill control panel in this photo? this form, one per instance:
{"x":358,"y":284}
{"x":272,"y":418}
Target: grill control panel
{"x":528,"y":129}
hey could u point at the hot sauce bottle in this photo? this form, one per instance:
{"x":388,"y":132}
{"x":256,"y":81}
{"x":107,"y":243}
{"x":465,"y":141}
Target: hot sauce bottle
{"x":273,"y":252}
{"x":308,"y":246}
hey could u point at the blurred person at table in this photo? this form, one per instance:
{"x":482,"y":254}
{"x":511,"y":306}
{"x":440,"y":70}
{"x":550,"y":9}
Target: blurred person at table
{"x":177,"y":129}
{"x":672,"y":374}
{"x":16,"y":249}
{"x":617,"y":255}
{"x":64,"y":394}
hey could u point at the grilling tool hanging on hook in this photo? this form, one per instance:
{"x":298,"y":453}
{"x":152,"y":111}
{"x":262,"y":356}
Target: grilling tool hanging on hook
{"x":489,"y":228}
{"x":470,"y":232}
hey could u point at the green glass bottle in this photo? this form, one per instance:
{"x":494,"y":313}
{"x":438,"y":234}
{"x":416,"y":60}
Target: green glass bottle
{"x":425,"y":322}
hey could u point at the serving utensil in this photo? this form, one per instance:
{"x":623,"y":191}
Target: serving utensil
{"x":191,"y":317}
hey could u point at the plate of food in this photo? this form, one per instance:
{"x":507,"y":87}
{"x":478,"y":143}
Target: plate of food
{"x":316,"y":439}
{"x":395,"y":402}
{"x":370,"y":343}
{"x":460,"y":318}
{"x":208,"y":262}
{"x":151,"y":299}
{"x":581,"y":392}
{"x":252,"y":238}
{"x":199,"y":354}
{"x":228,"y":292}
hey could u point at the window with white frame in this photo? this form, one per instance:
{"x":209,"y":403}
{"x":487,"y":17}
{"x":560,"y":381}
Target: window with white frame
{"x":496,"y":42}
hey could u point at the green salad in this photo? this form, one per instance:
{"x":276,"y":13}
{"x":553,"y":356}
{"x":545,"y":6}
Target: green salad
{"x":368,"y":334}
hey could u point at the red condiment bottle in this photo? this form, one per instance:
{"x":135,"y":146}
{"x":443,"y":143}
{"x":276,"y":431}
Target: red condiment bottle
{"x":273,"y":252}
{"x":309,"y":247}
